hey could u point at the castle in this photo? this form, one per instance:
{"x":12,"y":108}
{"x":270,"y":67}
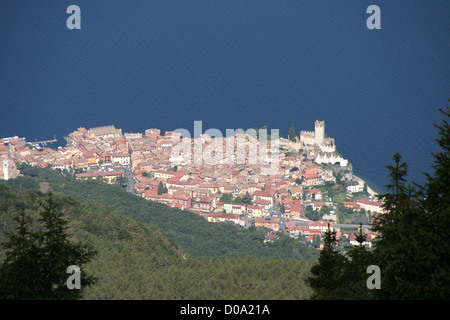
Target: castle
{"x":317,"y":138}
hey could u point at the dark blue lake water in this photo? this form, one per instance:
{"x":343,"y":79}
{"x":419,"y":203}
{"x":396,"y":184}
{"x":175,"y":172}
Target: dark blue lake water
{"x":233,"y":64}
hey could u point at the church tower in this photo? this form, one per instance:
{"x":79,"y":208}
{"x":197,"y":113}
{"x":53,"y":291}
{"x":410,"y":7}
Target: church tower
{"x":5,"y":169}
{"x":319,"y":132}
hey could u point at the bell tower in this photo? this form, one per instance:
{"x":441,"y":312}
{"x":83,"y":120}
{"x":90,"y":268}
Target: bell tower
{"x":5,"y":169}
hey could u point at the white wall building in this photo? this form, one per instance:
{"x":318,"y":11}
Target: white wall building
{"x":330,"y":158}
{"x":123,"y":159}
{"x":354,"y":186}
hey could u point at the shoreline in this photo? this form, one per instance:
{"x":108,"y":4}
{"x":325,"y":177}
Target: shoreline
{"x":371,"y":191}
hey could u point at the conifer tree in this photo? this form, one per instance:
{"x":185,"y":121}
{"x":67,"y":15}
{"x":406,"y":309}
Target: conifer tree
{"x":436,"y":218}
{"x":413,"y":244}
{"x":354,"y":276}
{"x":247,"y":199}
{"x":291,"y":134}
{"x":325,"y":276}
{"x":58,"y":253}
{"x":37,"y":258}
{"x":413,"y":251}
{"x":397,"y":247}
{"x":19,"y":277}
{"x":161,"y":188}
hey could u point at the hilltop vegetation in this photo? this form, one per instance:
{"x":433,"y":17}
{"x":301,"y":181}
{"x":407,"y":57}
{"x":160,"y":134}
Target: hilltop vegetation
{"x":116,"y":239}
{"x":136,"y":261}
{"x":198,"y":237}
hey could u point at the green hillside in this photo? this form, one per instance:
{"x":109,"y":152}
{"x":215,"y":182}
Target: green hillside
{"x":124,"y":245}
{"x":198,"y":237}
{"x":135,"y":261}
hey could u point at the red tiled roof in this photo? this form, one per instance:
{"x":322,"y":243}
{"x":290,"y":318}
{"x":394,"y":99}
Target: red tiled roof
{"x":262,"y":202}
{"x":223,"y":215}
{"x":369,"y":202}
{"x":254,"y":207}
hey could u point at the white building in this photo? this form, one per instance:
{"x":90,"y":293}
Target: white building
{"x":354,"y":186}
{"x":123,"y":159}
{"x":370,"y":205}
{"x":330,"y":158}
{"x":320,"y":225}
{"x":106,"y":132}
{"x":365,"y":243}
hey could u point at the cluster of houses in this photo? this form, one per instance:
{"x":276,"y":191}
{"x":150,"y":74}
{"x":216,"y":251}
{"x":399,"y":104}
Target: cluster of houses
{"x":86,"y":152}
{"x":106,"y":152}
{"x":315,"y":229}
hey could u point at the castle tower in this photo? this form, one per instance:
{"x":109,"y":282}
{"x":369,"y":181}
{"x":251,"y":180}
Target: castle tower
{"x":5,"y":169}
{"x":319,"y":132}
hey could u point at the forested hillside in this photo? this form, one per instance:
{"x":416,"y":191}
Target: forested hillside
{"x":135,"y":261}
{"x":198,"y":237}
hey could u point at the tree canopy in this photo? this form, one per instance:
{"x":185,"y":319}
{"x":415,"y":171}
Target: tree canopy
{"x":291,"y":134}
{"x":37,"y":257}
{"x":412,"y":250}
{"x":135,"y":261}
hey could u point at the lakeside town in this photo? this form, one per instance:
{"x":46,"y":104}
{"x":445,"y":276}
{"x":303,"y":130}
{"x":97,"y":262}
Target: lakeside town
{"x":313,"y":187}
